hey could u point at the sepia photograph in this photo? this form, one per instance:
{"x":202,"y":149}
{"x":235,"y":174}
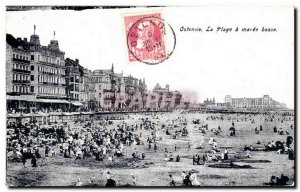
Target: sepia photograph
{"x":150,"y":96}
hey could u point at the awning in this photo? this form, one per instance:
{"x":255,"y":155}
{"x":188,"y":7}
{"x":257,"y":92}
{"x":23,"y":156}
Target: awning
{"x":28,"y":98}
{"x":14,"y":115}
{"x":77,"y":103}
{"x":86,"y":113}
{"x":67,"y":114}
{"x":32,"y":115}
{"x":42,"y":114}
{"x":52,"y":101}
{"x":55,"y":113}
{"x":75,"y":113}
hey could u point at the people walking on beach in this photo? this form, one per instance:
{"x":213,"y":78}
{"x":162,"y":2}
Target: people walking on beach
{"x":155,"y":147}
{"x":109,"y":181}
{"x":23,"y":160}
{"x":172,"y":182}
{"x":194,"y":179}
{"x":133,"y":179}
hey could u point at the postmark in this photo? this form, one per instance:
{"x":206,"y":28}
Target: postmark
{"x":150,"y":39}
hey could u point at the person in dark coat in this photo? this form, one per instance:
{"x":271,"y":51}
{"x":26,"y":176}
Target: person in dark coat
{"x":283,"y":180}
{"x":289,"y":141}
{"x":198,"y":159}
{"x":47,"y":150}
{"x":110,"y":183}
{"x":177,"y":158}
{"x":33,"y":162}
{"x":194,"y":159}
{"x":23,"y":160}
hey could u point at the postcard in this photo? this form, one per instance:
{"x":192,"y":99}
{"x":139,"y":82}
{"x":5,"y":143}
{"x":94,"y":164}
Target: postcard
{"x":137,"y":96}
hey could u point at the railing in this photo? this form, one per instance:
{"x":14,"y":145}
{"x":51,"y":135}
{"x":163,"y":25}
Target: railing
{"x":21,"y":60}
{"x":21,"y":81}
{"x":21,"y":70}
{"x":48,"y":73}
{"x":18,"y":93}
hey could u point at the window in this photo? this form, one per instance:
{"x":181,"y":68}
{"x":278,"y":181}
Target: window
{"x":31,"y":78}
{"x":32,"y":68}
{"x":76,"y":87}
{"x":32,"y":57}
{"x":31,"y":89}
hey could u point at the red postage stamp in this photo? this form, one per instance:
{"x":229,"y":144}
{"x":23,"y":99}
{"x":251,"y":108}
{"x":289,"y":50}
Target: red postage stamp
{"x":146,"y":38}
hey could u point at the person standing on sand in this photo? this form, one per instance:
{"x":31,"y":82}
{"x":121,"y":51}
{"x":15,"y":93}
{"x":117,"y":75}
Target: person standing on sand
{"x":133,"y":179}
{"x":189,"y":146}
{"x":211,"y":141}
{"x":155,"y":147}
{"x":202,"y":141}
{"x":172,"y":182}
{"x":225,"y":154}
{"x":78,"y":183}
{"x":184,"y":180}
{"x":33,"y":161}
{"x":109,"y":182}
{"x":194,"y":179}
{"x":23,"y":160}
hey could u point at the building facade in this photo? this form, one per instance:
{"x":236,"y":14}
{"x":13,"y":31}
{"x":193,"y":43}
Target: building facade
{"x":35,"y":74}
{"x":39,"y":77}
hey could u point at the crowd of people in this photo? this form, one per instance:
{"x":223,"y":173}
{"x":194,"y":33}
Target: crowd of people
{"x":107,"y":139}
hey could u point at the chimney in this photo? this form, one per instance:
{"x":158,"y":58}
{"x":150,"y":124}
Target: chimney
{"x":18,"y":39}
{"x":77,"y":61}
{"x":35,"y":40}
{"x":25,"y":39}
{"x":54,"y":45}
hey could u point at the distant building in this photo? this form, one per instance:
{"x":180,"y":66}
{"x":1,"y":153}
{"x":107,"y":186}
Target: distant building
{"x":167,"y":99}
{"x":134,"y":88}
{"x":209,"y":101}
{"x":108,"y":87}
{"x":76,"y":83}
{"x":265,"y":102}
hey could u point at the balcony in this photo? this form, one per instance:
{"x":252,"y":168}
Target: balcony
{"x":21,"y":81}
{"x":48,"y":73}
{"x":21,"y":60}
{"x":18,"y":93}
{"x":21,"y":71}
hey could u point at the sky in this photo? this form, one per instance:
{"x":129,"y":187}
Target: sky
{"x":215,"y":64}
